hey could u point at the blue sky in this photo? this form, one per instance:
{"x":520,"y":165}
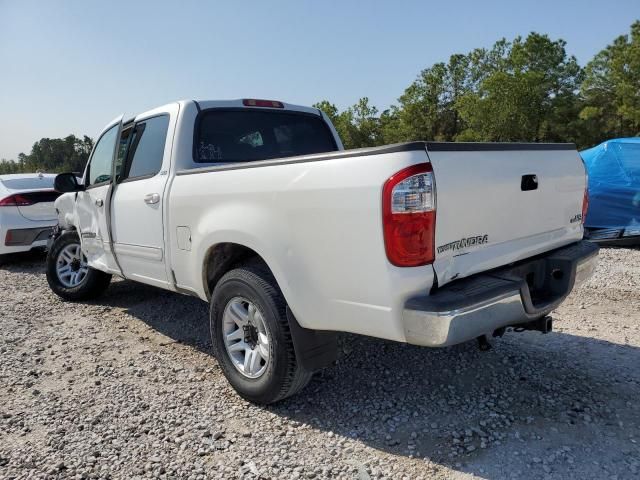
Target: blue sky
{"x":71,"y":66}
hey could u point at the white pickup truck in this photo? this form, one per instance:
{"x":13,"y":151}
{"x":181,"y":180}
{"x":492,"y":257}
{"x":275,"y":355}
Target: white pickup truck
{"x":255,"y":207}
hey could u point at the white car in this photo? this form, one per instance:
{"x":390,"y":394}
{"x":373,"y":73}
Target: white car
{"x":27,"y":212}
{"x":254,"y":207}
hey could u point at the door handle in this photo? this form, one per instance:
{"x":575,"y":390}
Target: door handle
{"x":99,"y":202}
{"x":151,"y":198}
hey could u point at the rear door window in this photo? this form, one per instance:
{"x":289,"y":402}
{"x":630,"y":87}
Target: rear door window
{"x":146,"y":147}
{"x":247,"y":135}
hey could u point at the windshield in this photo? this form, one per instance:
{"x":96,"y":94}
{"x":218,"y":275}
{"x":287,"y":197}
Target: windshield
{"x":247,"y":135}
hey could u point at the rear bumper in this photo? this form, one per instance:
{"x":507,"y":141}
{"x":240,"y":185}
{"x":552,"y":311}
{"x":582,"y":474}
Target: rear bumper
{"x":27,"y":237}
{"x":483,"y":303}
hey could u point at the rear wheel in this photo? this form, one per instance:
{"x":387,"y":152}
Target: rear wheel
{"x":68,"y":273}
{"x":251,"y":337}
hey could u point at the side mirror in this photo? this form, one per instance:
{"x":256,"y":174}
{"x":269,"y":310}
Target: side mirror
{"x":67,"y":182}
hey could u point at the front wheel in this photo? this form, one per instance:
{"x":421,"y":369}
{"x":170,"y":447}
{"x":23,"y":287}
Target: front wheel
{"x":251,"y":337}
{"x":69,"y":275}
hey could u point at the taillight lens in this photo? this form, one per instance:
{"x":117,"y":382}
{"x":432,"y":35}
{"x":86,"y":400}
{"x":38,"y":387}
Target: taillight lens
{"x":29,"y":198}
{"x":585,"y":196}
{"x":409,"y":216}
{"x":16,"y":200}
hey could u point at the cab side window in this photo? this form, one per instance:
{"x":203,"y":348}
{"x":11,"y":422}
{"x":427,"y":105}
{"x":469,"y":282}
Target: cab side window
{"x":100,"y":165}
{"x":146,"y":150}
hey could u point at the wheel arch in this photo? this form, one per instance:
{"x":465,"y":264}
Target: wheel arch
{"x":314,"y":349}
{"x":223,"y":257}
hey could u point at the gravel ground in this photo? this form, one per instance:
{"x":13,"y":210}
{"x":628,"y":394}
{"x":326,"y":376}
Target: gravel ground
{"x":126,"y":387}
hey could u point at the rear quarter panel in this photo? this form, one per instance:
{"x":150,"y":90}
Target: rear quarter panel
{"x":316,"y":224}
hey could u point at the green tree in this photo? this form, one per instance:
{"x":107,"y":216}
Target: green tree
{"x":365,"y":125}
{"x":341,"y":121}
{"x":8,"y":167}
{"x":611,"y":89}
{"x":358,"y":126}
{"x":329,"y":109}
{"x":420,"y":105}
{"x":521,"y":88}
{"x":67,"y":154}
{"x":427,"y":108}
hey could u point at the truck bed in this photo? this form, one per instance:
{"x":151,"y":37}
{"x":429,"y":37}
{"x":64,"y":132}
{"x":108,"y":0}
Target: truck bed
{"x":317,"y":222}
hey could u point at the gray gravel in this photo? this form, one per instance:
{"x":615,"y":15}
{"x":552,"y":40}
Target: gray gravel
{"x":126,"y":387}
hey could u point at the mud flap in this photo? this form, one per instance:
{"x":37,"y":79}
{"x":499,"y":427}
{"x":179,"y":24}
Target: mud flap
{"x":315,"y":349}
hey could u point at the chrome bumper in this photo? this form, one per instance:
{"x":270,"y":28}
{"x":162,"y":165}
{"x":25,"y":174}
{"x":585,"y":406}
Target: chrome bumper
{"x":484,"y":303}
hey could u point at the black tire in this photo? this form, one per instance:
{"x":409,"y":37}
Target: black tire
{"x":284,"y":376}
{"x":94,"y":283}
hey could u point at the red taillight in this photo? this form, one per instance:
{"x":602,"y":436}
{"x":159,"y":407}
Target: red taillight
{"x":16,"y":200}
{"x":29,"y":198}
{"x":409,"y":216}
{"x":252,"y":102}
{"x":585,"y":196}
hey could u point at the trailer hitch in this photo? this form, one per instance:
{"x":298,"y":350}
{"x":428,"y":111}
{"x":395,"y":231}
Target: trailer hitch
{"x":543,"y":325}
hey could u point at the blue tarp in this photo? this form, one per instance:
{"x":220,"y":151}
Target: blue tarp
{"x":614,"y":185}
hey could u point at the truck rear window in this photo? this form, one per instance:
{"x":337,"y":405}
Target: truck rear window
{"x":248,"y":135}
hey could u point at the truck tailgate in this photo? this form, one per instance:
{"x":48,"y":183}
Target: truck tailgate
{"x":499,"y":203}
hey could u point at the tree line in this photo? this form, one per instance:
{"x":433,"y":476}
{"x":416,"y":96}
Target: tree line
{"x":69,"y":154}
{"x":528,"y":89}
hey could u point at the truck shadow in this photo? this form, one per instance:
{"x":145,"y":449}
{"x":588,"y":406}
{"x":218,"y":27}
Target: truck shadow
{"x":24,"y":262}
{"x":182,"y":318}
{"x":524,"y":407}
